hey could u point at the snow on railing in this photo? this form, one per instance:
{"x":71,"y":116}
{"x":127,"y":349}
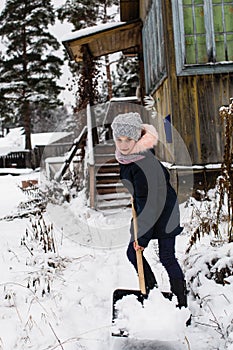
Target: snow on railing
{"x":90,"y":158}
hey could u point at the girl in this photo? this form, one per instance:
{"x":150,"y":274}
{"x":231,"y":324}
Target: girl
{"x":155,"y":200}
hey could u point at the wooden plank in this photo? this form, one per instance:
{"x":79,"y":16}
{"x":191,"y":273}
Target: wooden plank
{"x":193,"y":87}
{"x":221,"y":90}
{"x":199,"y":99}
{"x":164,"y":150}
{"x":173,"y":101}
{"x":129,"y":9}
{"x":184,"y":124}
{"x":92,"y":186}
{"x":205,"y":95}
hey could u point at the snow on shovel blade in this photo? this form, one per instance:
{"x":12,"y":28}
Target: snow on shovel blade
{"x":118,"y":294}
{"x":139,"y":294}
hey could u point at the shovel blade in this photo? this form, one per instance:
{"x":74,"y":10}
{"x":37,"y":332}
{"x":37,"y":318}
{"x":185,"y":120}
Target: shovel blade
{"x":118,"y":294}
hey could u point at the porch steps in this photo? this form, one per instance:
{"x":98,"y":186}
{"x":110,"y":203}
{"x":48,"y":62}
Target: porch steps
{"x":110,"y":193}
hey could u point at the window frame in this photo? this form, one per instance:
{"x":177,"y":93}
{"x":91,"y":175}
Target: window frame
{"x":183,"y":68}
{"x":153,"y":47}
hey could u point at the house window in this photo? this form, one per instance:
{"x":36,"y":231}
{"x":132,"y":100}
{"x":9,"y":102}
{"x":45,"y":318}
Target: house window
{"x":153,"y":47}
{"x":203,"y":31}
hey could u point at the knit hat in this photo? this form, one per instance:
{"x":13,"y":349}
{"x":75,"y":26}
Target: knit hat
{"x":127,"y":124}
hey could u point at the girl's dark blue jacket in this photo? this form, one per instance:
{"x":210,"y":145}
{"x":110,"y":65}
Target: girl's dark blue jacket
{"x":155,"y":200}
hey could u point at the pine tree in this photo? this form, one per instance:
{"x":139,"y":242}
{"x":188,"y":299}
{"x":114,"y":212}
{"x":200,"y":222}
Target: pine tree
{"x":81,"y":14}
{"x":86,"y":13}
{"x":126,"y":79}
{"x":29,"y":68}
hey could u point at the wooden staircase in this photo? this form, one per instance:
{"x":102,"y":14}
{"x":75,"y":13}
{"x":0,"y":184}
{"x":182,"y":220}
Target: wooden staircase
{"x":110,"y":193}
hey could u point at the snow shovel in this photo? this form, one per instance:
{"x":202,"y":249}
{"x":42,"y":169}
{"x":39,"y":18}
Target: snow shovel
{"x":139,"y":294}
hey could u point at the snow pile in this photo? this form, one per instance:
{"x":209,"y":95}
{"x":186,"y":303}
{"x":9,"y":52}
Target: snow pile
{"x":158,"y":319}
{"x":209,"y":271}
{"x":9,"y":193}
{"x":15,"y":201}
{"x":63,"y":298}
{"x":12,"y":142}
{"x":89,"y":227}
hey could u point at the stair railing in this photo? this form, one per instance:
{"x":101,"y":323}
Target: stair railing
{"x":78,"y":142}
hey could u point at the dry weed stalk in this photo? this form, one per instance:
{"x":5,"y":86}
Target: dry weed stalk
{"x":39,"y":240}
{"x":224,"y":188}
{"x":41,"y":233}
{"x":205,"y":225}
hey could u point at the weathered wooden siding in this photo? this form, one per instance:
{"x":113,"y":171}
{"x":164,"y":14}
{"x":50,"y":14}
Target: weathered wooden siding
{"x":196,"y":117}
{"x":164,"y":150}
{"x":144,"y":7}
{"x":201,"y":96}
{"x":193,"y":101}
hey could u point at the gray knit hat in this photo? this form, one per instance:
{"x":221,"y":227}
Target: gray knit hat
{"x":127,"y":124}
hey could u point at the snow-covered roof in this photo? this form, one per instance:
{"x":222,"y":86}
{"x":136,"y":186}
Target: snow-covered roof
{"x":91,"y":30}
{"x":14,"y":141}
{"x":104,"y":39}
{"x":46,"y":138}
{"x":124,"y":99}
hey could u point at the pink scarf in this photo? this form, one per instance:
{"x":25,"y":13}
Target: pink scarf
{"x":148,"y":140}
{"x":127,"y":159}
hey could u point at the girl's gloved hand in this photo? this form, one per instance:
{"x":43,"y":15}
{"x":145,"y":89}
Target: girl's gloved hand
{"x":137,"y":247}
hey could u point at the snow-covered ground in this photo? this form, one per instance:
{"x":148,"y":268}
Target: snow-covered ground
{"x":58,"y":274}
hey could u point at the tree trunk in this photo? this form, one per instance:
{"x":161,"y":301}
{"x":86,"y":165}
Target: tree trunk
{"x":27,"y":125}
{"x":109,"y":79}
{"x":90,"y":89}
{"x":26,"y":106}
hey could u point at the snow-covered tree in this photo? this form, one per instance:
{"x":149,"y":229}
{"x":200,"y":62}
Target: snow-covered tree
{"x":126,"y":78}
{"x":88,"y":13}
{"x":29,"y":68}
{"x":48,"y":120}
{"x":80,"y":13}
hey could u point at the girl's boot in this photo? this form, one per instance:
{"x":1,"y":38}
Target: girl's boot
{"x":178,"y":287}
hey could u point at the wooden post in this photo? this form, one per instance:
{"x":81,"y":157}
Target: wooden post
{"x":141,"y":69}
{"x":141,"y":77}
{"x":91,"y":171}
{"x":91,"y":159}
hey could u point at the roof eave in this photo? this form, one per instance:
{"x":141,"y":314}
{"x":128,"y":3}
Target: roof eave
{"x":75,"y":43}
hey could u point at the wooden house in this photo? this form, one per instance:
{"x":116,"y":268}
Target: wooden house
{"x":185,"y":49}
{"x":188,"y":63}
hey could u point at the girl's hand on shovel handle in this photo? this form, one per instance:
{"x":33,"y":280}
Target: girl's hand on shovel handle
{"x":137,"y":247}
